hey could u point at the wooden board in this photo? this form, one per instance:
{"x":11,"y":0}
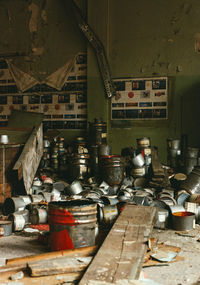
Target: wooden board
{"x":122,"y":253}
{"x":57,"y":279}
{"x":58,"y":266}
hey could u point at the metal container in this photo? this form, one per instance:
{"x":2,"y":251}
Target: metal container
{"x":72,"y":224}
{"x":173,"y":143}
{"x":192,"y":183}
{"x":162,"y":218}
{"x":125,"y":195}
{"x":112,"y":169}
{"x":138,"y":160}
{"x":141,"y":200}
{"x":109,"y":200}
{"x":192,"y":152}
{"x":176,"y":208}
{"x":12,"y":205}
{"x":75,"y":188}
{"x":104,"y":149}
{"x":18,"y":221}
{"x":168,"y":200}
{"x":79,"y":167}
{"x":183,"y":221}
{"x":194,"y":198}
{"x":138,"y":171}
{"x":182,"y":197}
{"x":5,"y":228}
{"x":97,"y":132}
{"x":94,"y":159}
{"x":173,"y":153}
{"x":37,"y":198}
{"x":143,"y":142}
{"x":38,"y":215}
{"x":110,"y":213}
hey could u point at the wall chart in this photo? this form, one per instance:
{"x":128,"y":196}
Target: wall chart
{"x":140,"y":98}
{"x":63,"y":109}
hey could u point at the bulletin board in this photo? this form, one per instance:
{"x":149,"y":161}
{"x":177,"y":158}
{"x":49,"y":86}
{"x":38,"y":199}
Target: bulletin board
{"x":63,"y":109}
{"x":140,"y":98}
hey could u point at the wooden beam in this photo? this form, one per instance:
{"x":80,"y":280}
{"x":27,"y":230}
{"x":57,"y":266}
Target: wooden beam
{"x":83,"y":251}
{"x":121,"y":255}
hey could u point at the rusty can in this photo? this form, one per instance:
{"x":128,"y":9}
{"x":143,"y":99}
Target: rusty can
{"x":112,"y":169}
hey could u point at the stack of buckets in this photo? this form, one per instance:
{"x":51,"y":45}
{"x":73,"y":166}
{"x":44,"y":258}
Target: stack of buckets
{"x":144,"y":148}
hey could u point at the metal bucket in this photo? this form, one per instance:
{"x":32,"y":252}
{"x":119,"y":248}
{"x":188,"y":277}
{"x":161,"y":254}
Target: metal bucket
{"x":138,"y":160}
{"x":72,"y":224}
{"x":79,"y":167}
{"x":112,"y":169}
{"x":5,"y":228}
{"x":110,"y":213}
{"x":192,"y":152}
{"x":12,"y":205}
{"x":192,"y":183}
{"x":19,"y":220}
{"x":183,"y":221}
{"x":173,"y":143}
{"x":38,"y":216}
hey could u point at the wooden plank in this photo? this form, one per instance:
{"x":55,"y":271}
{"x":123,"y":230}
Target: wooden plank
{"x":58,"y":266}
{"x":121,"y":255}
{"x":50,"y":280}
{"x":83,"y":251}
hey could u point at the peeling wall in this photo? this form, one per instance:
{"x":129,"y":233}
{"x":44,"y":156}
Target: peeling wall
{"x":44,"y":30}
{"x":145,"y":39}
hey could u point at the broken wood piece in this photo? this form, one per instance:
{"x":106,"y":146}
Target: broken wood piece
{"x":9,"y":268}
{"x":83,"y":251}
{"x":122,"y":253}
{"x":58,"y":266}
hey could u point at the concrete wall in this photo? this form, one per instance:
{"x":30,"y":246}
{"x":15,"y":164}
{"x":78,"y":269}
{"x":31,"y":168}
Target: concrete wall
{"x":144,"y":39}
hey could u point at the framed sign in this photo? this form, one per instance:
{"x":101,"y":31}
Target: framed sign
{"x":140,"y":98}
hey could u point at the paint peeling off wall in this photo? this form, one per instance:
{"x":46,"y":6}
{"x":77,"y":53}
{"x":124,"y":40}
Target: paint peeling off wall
{"x":33,"y":23}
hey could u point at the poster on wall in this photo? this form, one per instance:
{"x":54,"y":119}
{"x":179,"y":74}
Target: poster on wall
{"x":140,"y":98}
{"x":63,"y":109}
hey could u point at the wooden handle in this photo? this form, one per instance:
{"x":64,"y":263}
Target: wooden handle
{"x":83,"y":251}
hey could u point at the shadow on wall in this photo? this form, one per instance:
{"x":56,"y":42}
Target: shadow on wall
{"x":190,"y":115}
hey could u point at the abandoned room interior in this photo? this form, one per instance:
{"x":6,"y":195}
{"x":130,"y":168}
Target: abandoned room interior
{"x":100,"y":142}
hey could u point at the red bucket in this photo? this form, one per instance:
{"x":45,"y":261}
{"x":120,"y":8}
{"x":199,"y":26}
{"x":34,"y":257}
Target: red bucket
{"x":72,"y":224}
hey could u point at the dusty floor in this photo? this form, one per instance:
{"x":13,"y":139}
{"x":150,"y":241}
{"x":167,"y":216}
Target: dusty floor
{"x":177,"y":273}
{"x":180,"y":272}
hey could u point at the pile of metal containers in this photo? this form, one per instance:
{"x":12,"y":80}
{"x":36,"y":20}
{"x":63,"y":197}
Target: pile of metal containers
{"x":182,"y":157}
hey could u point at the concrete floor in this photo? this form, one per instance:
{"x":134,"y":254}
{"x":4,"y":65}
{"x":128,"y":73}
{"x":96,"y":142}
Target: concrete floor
{"x":178,"y":273}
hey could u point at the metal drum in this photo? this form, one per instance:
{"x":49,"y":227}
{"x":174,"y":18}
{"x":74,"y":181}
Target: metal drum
{"x":97,"y":132}
{"x":12,"y":205}
{"x":112,"y":169}
{"x":72,"y":224}
{"x":192,"y":183}
{"x":38,"y":215}
{"x":79,"y":167}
